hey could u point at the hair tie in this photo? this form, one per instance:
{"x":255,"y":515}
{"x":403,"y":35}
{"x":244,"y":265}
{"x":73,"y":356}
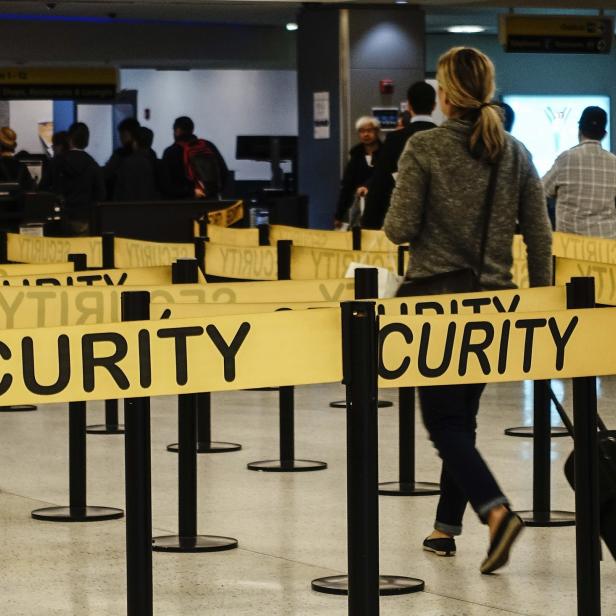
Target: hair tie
{"x":486,"y":105}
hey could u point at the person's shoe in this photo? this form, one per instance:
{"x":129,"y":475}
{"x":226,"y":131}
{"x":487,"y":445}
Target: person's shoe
{"x":506,"y":534}
{"x":443,"y":546}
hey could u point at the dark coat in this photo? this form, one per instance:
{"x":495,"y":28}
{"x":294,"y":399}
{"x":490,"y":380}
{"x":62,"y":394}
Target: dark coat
{"x":136,"y":178}
{"x":12,"y":170}
{"x":79,"y":180}
{"x":382,"y":182}
{"x":112,"y":167}
{"x":356,"y":173}
{"x":175,"y":183}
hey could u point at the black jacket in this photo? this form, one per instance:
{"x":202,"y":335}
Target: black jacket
{"x":112,"y":167}
{"x":79,"y":180}
{"x":12,"y":170}
{"x":136,"y":178}
{"x":382,"y":182}
{"x":356,"y":173}
{"x":175,"y":182}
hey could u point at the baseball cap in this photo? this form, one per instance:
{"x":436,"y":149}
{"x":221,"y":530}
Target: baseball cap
{"x":593,"y":120}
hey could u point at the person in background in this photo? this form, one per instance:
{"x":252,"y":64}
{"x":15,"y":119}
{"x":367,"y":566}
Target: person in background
{"x":78,"y":180}
{"x":60,"y":145}
{"x":136,"y":179}
{"x":583,"y":181}
{"x":127,"y":130}
{"x":193,"y":168}
{"x":508,"y":116}
{"x":421,"y":103}
{"x":11,"y":169}
{"x":442,"y":206}
{"x":359,"y":168}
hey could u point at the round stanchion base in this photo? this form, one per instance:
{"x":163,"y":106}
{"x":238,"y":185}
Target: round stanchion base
{"x":200,"y":543}
{"x":287,"y":466}
{"x":213,"y":447}
{"x":529,"y":432}
{"x":388,"y":585}
{"x":18,"y":408}
{"x":553,"y":518}
{"x":105,"y":429}
{"x":341,"y":404}
{"x":77,"y":514}
{"x":419,"y":488}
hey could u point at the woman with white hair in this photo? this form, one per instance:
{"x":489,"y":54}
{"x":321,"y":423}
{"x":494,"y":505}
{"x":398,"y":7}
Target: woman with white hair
{"x":358,"y":170}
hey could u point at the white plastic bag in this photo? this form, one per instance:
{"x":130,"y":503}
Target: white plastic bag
{"x":389,"y":283}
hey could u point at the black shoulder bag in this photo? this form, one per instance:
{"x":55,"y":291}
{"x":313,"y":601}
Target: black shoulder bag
{"x":463,"y":280}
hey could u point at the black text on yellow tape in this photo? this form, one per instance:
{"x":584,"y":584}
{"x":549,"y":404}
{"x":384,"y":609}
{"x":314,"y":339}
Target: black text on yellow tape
{"x":138,"y":253}
{"x":603,"y":273}
{"x":572,"y":246}
{"x":241,"y":262}
{"x":28,"y":249}
{"x":112,"y":277}
{"x":163,"y":358}
{"x":417,"y":351}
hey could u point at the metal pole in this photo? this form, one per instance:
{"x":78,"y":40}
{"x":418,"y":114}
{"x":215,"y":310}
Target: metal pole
{"x":264,"y":238}
{"x":541,"y":450}
{"x":360,"y":377}
{"x":356,"y":239}
{"x":137,"y":454}
{"x":77,"y":457}
{"x":287,"y":425}
{"x":581,"y":294}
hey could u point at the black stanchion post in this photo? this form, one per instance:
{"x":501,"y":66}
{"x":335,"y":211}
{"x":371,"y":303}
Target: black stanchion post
{"x":203,"y":227}
{"x":185,"y":271}
{"x":78,"y":510}
{"x":581,"y":294}
{"x":356,"y":238}
{"x":187,"y":540}
{"x":363,"y":583}
{"x":79,"y":260}
{"x":366,"y":287}
{"x":541,"y":515}
{"x":200,"y":253}
{"x":112,"y":416}
{"x":138,"y":471}
{"x":286,"y":403}
{"x":264,"y":235}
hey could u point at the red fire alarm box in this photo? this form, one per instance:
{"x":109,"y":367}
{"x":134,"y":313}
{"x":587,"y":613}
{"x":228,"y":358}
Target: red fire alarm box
{"x":386,"y":86}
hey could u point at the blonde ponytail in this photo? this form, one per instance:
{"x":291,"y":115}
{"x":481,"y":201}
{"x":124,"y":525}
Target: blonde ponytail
{"x":467,"y":77}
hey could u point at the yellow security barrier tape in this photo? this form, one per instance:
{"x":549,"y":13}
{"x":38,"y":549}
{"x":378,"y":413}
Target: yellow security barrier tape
{"x":311,"y":238}
{"x":232,"y":237}
{"x":528,"y":300}
{"x":138,"y":253}
{"x":308,"y":263}
{"x":417,"y":351}
{"x":111,"y":277}
{"x":571,"y":246}
{"x":241,"y":262}
{"x":163,"y":358}
{"x":603,"y":273}
{"x":376,"y":241}
{"x":28,"y":249}
{"x":227,"y":216}
{"x":51,"y":306}
{"x":27,"y":269}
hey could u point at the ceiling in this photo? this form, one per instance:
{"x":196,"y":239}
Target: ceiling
{"x":439,"y":13}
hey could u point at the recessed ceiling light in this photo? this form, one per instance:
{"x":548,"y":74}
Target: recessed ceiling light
{"x":465,"y":29}
{"x":402,"y":1}
{"x":292,"y":26}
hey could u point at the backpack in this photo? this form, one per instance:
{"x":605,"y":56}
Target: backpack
{"x":202,"y":166}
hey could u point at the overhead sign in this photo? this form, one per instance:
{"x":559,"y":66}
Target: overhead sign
{"x":28,"y":249}
{"x":24,"y":82}
{"x":556,"y":33}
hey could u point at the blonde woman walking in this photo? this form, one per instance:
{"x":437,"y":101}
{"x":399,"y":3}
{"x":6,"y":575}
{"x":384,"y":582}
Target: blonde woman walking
{"x":460,"y":191}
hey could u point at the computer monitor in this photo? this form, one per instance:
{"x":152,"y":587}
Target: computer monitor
{"x":387,"y":116}
{"x":266,"y":147}
{"x":548,"y":124}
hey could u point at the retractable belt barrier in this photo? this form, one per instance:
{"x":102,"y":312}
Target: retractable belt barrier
{"x":139,"y":359}
{"x":604,"y":275}
{"x":139,"y":253}
{"x":27,"y":249}
{"x":29,"y":269}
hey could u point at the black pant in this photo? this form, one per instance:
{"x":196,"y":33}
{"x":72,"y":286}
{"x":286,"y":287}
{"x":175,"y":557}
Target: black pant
{"x":450,"y":416}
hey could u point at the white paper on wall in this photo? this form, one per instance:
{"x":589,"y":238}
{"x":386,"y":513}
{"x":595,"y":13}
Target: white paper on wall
{"x":321,"y":115}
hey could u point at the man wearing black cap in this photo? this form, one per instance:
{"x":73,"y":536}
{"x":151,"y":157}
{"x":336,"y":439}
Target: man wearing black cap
{"x":583,"y":181}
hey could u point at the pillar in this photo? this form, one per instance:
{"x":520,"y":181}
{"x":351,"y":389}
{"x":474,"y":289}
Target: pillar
{"x":345,"y":53}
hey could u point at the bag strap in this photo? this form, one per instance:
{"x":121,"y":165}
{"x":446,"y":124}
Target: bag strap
{"x":489,"y":200}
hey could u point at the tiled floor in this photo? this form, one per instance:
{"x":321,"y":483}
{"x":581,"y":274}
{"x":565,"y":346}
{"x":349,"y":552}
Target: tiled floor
{"x":291,"y":527}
